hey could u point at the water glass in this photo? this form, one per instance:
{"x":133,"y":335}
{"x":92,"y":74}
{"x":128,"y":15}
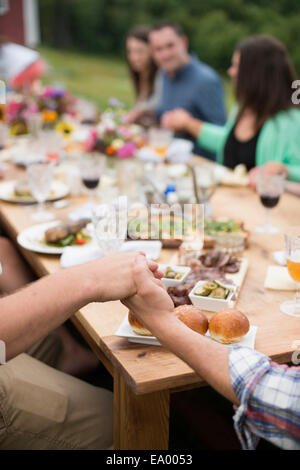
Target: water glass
{"x":110,"y":225}
{"x":40,"y":177}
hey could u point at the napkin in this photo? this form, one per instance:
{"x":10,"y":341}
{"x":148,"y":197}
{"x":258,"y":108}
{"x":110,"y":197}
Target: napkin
{"x":279,"y":257}
{"x":278,"y":278}
{"x":180,"y":151}
{"x":74,"y":255}
{"x":83,"y":212}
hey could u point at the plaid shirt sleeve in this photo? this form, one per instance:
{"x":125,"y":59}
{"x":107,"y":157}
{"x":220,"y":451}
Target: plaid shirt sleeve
{"x":269,"y":397}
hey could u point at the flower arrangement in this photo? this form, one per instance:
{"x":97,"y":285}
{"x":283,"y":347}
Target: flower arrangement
{"x":113,"y":136}
{"x":18,"y":110}
{"x":55,"y":102}
{"x":51,"y":103}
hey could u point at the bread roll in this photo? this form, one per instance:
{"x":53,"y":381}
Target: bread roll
{"x":192,"y":317}
{"x":137,"y":326}
{"x":228,"y":326}
{"x":189,"y":315}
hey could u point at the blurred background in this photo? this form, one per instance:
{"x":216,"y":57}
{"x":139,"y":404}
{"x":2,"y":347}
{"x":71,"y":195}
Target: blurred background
{"x":83,"y":41}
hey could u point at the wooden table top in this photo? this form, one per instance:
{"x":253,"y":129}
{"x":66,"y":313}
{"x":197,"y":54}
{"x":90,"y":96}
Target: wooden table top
{"x":148,"y":369}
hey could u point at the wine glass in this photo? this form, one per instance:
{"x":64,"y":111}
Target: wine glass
{"x":92,"y":168}
{"x":269,"y":187}
{"x":193,"y":233}
{"x":40,"y":176}
{"x":292,"y":251}
{"x":204,"y":186}
{"x":110,"y":225}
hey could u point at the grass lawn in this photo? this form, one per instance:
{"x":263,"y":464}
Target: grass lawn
{"x":95,"y":78}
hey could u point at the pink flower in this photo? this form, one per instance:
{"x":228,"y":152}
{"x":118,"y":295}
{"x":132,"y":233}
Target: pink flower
{"x":90,"y":141}
{"x":127,"y":150}
{"x":13,"y":107}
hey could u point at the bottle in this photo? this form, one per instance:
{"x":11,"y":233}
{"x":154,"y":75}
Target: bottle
{"x":170,"y":194}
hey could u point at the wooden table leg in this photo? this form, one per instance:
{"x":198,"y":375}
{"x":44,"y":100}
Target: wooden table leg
{"x":141,"y":422}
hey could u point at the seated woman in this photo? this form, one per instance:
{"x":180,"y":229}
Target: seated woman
{"x":143,"y":72}
{"x":265,"y":127}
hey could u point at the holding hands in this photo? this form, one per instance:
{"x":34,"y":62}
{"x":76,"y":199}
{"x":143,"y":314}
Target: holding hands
{"x":114,"y":277}
{"x":151,"y":302}
{"x":180,"y":120}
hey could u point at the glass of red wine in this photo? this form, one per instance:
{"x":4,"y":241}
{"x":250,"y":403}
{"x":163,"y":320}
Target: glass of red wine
{"x":92,"y":168}
{"x":269,"y":187}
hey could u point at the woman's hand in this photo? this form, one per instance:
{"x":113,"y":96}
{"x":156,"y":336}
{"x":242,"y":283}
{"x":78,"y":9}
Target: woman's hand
{"x":177,"y":120}
{"x":271,"y":168}
{"x":180,"y":120}
{"x":151,"y":303}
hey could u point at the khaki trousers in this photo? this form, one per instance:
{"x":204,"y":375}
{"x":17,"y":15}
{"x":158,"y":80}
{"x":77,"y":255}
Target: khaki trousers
{"x":43,"y":408}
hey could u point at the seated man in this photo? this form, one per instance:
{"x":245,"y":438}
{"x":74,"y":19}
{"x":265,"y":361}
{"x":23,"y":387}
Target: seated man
{"x":267,"y":395}
{"x":15,"y":273}
{"x":42,"y":408}
{"x":187,"y":82}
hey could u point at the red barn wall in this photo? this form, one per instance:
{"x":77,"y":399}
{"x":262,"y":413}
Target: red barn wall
{"x":12,"y":23}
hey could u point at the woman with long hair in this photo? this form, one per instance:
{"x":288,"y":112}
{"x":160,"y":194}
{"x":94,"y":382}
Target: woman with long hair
{"x":264,"y":129}
{"x":143,"y":71}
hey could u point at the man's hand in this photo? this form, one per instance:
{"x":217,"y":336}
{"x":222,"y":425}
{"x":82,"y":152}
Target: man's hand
{"x":151,"y":301}
{"x":112,"y":277}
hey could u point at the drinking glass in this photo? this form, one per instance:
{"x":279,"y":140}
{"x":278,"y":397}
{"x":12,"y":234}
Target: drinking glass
{"x":269,"y":187}
{"x":193,"y":233}
{"x":4,"y":133}
{"x":110,"y":225}
{"x":160,"y":139}
{"x":40,"y":176}
{"x":34,"y":123}
{"x":292,"y":251}
{"x":92,"y":168}
{"x":204,"y":185}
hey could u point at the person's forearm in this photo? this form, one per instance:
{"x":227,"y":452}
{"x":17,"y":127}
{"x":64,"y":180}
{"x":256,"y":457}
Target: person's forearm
{"x":193,"y":127}
{"x":29,"y":314}
{"x":208,"y":358}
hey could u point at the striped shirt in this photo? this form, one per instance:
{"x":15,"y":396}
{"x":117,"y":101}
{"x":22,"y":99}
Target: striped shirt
{"x":269,"y":397}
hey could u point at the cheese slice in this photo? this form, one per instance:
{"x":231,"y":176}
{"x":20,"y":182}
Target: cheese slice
{"x":278,"y":278}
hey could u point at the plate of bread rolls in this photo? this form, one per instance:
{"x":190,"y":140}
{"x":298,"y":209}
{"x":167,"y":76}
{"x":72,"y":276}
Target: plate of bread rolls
{"x":227,"y":326}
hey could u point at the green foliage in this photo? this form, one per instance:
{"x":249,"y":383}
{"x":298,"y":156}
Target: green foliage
{"x":212,"y":26}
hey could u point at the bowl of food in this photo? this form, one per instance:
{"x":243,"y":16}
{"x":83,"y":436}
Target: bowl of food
{"x":173,"y":275}
{"x":227,"y":235}
{"x":212,"y":295}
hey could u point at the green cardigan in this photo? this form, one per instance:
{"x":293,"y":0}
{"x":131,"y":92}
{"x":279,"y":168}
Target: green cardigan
{"x":278,"y":140}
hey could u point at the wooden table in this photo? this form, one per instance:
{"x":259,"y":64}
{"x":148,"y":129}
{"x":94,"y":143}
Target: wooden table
{"x":145,"y":376}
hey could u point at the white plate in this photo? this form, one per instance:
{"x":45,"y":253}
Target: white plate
{"x":31,"y":236}
{"x":59,"y":190}
{"x":125,"y":331}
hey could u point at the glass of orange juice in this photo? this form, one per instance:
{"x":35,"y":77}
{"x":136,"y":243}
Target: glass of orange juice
{"x":160,"y":139}
{"x":292,"y":248}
